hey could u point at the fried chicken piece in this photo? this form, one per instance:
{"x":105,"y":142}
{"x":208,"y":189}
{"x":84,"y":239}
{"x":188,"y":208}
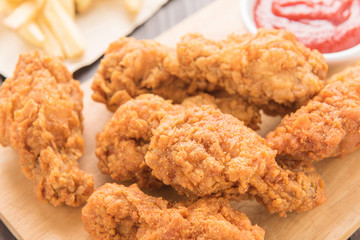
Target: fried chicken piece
{"x":124,"y":141}
{"x":251,"y":168}
{"x":40,"y":117}
{"x":118,"y":212}
{"x":270,"y":69}
{"x":328,"y":126}
{"x":122,"y":144}
{"x":287,"y":186}
{"x":131,"y":68}
{"x":235,"y":106}
{"x":203,"y":152}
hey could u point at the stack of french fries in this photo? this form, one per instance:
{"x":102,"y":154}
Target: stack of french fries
{"x":50,"y":24}
{"x":47,"y":24}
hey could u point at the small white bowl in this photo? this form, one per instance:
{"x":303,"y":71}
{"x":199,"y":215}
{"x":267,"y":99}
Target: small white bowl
{"x":335,"y":60}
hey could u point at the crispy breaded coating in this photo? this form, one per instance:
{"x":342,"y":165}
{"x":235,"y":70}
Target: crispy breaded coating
{"x":287,"y":186}
{"x":235,"y":106}
{"x":122,"y":144}
{"x":124,"y":141}
{"x":270,"y":69}
{"x":117,"y":212}
{"x":203,"y":152}
{"x":40,"y":117}
{"x":327,"y":126}
{"x":131,"y":68}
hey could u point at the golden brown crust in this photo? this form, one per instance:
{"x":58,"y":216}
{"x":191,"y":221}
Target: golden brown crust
{"x":288,"y":186}
{"x":122,"y":144}
{"x":270,"y":69}
{"x":40,"y":117}
{"x":131,"y":68}
{"x":118,"y":212}
{"x":232,"y":105}
{"x":327,"y":126}
{"x":202,"y":152}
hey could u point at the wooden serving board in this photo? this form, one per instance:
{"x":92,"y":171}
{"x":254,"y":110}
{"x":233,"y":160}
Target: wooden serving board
{"x":28,"y":218}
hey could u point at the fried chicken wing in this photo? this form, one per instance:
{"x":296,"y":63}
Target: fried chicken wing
{"x":40,"y":117}
{"x":117,"y":212}
{"x":122,"y":144}
{"x":327,"y":126}
{"x":203,"y":152}
{"x":270,"y":69}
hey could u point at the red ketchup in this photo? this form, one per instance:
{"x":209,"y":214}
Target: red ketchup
{"x":326,"y":25}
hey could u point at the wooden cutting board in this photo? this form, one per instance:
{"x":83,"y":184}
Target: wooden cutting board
{"x":28,"y":218}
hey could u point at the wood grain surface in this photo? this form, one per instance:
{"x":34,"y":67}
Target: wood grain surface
{"x":338,"y":218}
{"x":169,"y":15}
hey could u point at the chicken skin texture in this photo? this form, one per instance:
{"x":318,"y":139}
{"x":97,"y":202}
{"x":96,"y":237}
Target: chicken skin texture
{"x":124,"y":141}
{"x":203,"y":152}
{"x":40,"y":117}
{"x":131,"y":68}
{"x":117,"y":212}
{"x":235,"y":106}
{"x":327,"y":126}
{"x":270,"y":69}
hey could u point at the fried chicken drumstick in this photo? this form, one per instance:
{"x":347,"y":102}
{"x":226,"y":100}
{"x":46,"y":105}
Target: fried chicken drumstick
{"x":118,"y":212}
{"x":327,"y":126}
{"x":203,"y":152}
{"x":40,"y":117}
{"x":270,"y":69}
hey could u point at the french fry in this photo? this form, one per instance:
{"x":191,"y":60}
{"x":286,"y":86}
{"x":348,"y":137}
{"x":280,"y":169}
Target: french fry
{"x":82,"y":5}
{"x":23,"y":14}
{"x":51,"y":44}
{"x":12,"y":4}
{"x":133,"y":6}
{"x":7,"y":7}
{"x":15,"y":2}
{"x":69,"y":6}
{"x":64,"y":28}
{"x":2,"y":6}
{"x":48,"y":24}
{"x":32,"y":34}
